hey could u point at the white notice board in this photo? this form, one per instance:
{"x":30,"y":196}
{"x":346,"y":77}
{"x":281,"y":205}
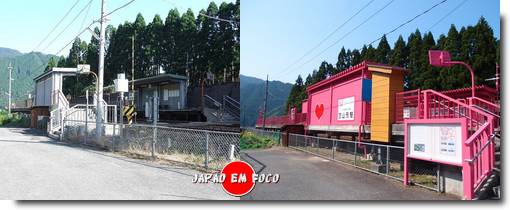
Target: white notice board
{"x":436,"y":142}
{"x":346,"y":109}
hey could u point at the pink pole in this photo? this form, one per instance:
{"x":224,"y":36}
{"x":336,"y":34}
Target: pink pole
{"x":470,"y":71}
{"x":406,"y":171}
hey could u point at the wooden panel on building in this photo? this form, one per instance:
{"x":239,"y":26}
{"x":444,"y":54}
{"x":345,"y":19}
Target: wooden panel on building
{"x":385,"y":83}
{"x":36,"y":113}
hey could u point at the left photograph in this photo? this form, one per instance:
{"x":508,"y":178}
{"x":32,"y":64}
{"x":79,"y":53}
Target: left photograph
{"x":119,"y":99}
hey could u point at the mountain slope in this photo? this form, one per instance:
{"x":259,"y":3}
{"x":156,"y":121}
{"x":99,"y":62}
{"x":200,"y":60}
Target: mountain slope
{"x":252,"y":98}
{"x":25,"y":68}
{"x":8,"y":53}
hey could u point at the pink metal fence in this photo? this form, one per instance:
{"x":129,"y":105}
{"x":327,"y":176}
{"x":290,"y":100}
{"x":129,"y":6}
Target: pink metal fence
{"x":487,"y":106}
{"x":478,"y":148}
{"x":280,"y":121}
{"x":410,"y":101}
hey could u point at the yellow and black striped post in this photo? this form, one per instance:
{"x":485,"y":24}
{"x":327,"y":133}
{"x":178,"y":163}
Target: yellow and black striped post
{"x":129,"y":112}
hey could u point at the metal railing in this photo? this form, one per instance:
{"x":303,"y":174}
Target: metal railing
{"x":478,"y":148}
{"x":386,"y":160}
{"x":488,"y":107}
{"x":203,"y":148}
{"x":408,"y":105}
{"x":279,"y":121}
{"x":232,"y":106}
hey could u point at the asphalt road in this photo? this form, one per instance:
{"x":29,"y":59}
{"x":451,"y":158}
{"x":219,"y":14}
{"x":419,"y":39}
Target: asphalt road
{"x":307,"y":177}
{"x":34,"y":167}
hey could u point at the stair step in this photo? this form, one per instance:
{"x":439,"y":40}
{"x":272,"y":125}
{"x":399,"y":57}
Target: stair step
{"x":497,"y":192}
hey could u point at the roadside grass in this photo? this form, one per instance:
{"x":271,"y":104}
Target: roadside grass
{"x":15,"y":120}
{"x":250,"y":140}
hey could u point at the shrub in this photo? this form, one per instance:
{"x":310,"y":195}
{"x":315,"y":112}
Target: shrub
{"x":251,"y":141}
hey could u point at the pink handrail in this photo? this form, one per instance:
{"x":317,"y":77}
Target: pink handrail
{"x":478,"y":148}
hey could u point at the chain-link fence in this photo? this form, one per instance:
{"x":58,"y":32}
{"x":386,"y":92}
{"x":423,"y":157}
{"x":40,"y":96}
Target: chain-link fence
{"x":382,"y":159}
{"x":204,"y":148}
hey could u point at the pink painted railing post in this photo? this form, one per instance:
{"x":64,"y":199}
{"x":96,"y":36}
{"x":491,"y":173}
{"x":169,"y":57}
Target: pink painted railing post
{"x":467,"y":172}
{"x":425,"y":105}
{"x":406,"y":170}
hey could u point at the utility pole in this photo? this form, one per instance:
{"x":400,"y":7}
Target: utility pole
{"x":133,"y":70}
{"x":265,"y":103}
{"x":10,"y":87}
{"x":100,"y":108}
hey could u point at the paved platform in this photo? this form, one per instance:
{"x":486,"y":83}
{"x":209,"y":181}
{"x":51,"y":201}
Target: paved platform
{"x":35,"y":167}
{"x":308,"y":177}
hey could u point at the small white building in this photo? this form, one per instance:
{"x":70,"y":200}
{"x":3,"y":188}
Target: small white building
{"x":48,"y":93}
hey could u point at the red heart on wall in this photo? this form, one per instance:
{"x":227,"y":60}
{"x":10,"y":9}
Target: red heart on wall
{"x":319,"y":110}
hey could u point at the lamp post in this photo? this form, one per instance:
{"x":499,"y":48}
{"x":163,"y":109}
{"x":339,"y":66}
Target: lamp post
{"x":440,"y":58}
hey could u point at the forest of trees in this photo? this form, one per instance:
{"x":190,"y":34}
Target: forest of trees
{"x":185,"y":44}
{"x":475,"y":45}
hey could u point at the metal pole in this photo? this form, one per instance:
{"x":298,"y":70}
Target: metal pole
{"x":387,"y":159}
{"x":318,"y":149}
{"x":10,"y":87}
{"x":438,"y":177}
{"x":333,"y":148}
{"x":206,"y":161}
{"x":133,"y":70}
{"x":99,"y":115}
{"x":61,"y":124}
{"x":86,"y":116}
{"x":355,"y":153}
{"x":265,"y":103}
{"x":154,"y":121}
{"x":121,"y":111}
{"x":232,"y":151}
{"x":471,"y":71}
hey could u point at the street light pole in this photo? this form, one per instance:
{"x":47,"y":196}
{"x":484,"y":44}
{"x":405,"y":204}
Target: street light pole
{"x":439,"y":58}
{"x":100,"y":108}
{"x":471,"y":71}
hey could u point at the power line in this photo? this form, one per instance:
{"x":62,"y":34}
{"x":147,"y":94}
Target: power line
{"x":70,"y":42}
{"x":347,"y":34}
{"x":326,"y":38}
{"x":55,"y":27}
{"x":70,"y":23}
{"x":86,"y":15}
{"x":410,"y":20}
{"x":86,"y":28}
{"x":118,"y":8}
{"x":79,"y":34}
{"x":448,"y":14}
{"x":219,"y":19}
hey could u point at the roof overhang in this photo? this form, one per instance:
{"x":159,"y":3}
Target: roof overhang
{"x":57,"y":70}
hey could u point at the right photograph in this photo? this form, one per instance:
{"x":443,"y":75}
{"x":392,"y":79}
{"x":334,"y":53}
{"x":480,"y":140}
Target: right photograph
{"x":371,"y":100}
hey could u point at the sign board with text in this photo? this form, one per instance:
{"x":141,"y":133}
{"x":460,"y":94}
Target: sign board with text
{"x":346,"y":109}
{"x":436,"y":140}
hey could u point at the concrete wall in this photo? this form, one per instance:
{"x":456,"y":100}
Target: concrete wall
{"x":451,"y":180}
